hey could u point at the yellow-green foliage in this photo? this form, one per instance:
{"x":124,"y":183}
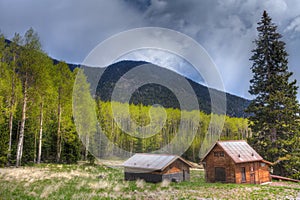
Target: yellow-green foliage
{"x":139,"y":128}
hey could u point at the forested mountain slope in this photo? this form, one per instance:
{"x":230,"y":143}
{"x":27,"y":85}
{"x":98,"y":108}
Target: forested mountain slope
{"x":152,"y":93}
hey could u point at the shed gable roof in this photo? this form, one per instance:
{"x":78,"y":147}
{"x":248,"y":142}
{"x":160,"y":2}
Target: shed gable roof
{"x":238,"y":150}
{"x":152,"y":161}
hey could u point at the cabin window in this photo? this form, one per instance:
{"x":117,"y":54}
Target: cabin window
{"x":262,"y":164}
{"x":243,"y":172}
{"x":219,"y":154}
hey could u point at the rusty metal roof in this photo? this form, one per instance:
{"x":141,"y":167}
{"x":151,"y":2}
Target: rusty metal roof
{"x":152,"y":162}
{"x":239,"y":150}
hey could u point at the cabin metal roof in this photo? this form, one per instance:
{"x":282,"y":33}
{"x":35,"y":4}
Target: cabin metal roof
{"x":239,"y":150}
{"x":152,"y":162}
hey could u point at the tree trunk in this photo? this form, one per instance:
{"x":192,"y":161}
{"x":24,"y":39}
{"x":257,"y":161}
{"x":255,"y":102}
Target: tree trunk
{"x":58,"y":155}
{"x":10,"y":125}
{"x":11,"y":115}
{"x":273,"y":135}
{"x":41,"y":133}
{"x":34,"y":152}
{"x":86,"y":147}
{"x":21,"y":136}
{"x":21,"y":152}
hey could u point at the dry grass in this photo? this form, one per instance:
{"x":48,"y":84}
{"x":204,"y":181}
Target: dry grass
{"x":98,"y":182}
{"x":140,"y":183}
{"x":165,"y":183}
{"x":49,"y":190}
{"x":31,"y":174}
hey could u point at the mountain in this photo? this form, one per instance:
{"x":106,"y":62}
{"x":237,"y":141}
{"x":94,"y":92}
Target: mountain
{"x":154,"y":93}
{"x":149,"y":84}
{"x":71,"y":66}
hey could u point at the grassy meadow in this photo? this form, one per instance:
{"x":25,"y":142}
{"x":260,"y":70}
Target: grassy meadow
{"x":83,"y":181}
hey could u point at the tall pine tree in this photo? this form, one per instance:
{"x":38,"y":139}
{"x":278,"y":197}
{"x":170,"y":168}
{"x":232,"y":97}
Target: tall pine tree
{"x":275,"y":109}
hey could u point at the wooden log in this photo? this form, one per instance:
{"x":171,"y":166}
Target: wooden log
{"x":284,"y":178}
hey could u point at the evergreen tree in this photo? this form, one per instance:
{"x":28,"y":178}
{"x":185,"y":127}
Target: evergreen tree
{"x":275,"y":109}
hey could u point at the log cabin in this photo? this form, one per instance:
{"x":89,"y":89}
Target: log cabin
{"x":235,"y":162}
{"x":156,"y":168}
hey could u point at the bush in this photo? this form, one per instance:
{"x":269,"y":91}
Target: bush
{"x":91,"y":158}
{"x":3,"y":161}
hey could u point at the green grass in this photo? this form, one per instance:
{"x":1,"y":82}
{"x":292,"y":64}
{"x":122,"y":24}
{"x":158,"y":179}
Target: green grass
{"x":50,"y":181}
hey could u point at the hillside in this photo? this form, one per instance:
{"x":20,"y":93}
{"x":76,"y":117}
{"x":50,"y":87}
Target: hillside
{"x":152,"y":93}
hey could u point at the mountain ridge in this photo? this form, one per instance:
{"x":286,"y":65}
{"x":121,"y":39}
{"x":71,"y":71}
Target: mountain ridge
{"x":151,"y":93}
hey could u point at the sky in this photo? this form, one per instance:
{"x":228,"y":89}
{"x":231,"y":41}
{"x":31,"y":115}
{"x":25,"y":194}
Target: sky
{"x":70,"y":29}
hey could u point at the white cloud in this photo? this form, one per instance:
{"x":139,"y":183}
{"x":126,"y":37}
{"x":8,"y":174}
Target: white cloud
{"x":164,"y":59}
{"x":277,"y":8}
{"x":226,"y":28}
{"x":294,"y":25}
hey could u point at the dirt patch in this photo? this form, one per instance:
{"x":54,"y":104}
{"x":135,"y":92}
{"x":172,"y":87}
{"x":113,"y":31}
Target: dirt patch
{"x":111,"y":163}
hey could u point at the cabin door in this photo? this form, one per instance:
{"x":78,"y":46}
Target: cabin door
{"x":252,"y":174}
{"x":220,"y":175}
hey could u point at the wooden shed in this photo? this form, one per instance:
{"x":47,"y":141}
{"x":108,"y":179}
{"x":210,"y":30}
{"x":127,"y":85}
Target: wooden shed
{"x":235,"y":162}
{"x":156,"y":167}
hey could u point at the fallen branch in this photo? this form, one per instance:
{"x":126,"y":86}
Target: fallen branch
{"x":284,"y":178}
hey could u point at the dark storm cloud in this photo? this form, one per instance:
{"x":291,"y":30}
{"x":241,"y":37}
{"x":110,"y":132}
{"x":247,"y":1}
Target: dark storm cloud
{"x":70,"y":29}
{"x":226,"y":29}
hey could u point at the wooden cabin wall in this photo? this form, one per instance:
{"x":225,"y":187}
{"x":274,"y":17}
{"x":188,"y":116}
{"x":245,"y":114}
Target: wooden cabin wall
{"x":248,"y":172}
{"x":264,"y":172}
{"x":148,"y":177}
{"x":177,"y":170}
{"x":212,"y":161}
{"x":175,"y":167}
{"x":255,"y":172}
{"x":259,"y":170}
